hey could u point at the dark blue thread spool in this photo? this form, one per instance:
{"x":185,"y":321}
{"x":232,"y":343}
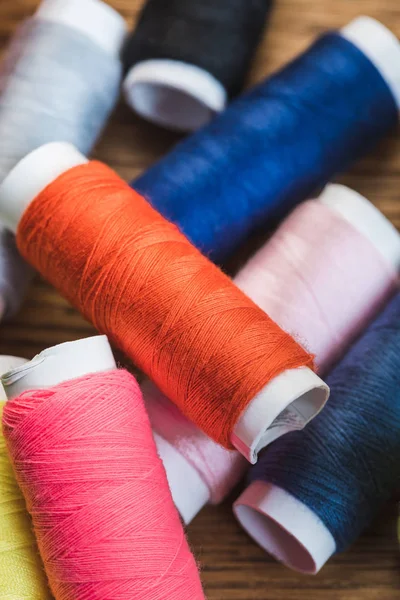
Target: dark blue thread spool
{"x":277,"y":144}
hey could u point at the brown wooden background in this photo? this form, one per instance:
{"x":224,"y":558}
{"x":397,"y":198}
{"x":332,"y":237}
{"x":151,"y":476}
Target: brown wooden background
{"x":233,"y":567}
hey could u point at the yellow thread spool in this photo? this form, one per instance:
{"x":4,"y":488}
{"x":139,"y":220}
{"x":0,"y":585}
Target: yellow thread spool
{"x":21,"y":571}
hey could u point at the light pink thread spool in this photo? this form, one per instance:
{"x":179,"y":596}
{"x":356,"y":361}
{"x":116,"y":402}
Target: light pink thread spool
{"x":323,"y":275}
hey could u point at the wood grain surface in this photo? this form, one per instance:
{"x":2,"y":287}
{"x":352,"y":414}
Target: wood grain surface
{"x":233,"y":567}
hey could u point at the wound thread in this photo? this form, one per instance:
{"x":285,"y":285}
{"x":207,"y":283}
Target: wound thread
{"x":139,"y":280}
{"x":274,"y":146}
{"x":85,"y":459}
{"x":186,"y":58}
{"x":56,"y":84}
{"x":323,"y":281}
{"x":21,"y":568}
{"x":345,"y":465}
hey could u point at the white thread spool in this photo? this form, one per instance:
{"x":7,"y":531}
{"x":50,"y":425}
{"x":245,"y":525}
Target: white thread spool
{"x":288,"y":402}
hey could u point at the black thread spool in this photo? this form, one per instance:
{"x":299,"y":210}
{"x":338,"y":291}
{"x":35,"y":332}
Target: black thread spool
{"x":186,"y":58}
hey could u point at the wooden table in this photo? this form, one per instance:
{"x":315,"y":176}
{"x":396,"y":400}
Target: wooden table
{"x":233,"y":567}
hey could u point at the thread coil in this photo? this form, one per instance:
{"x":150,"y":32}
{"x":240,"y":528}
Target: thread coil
{"x":344,"y":467}
{"x":327,"y":303}
{"x":94,"y":175}
{"x":180,"y":46}
{"x":274,"y":146}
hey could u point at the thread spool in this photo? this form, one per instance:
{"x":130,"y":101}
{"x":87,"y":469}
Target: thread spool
{"x":331,"y":481}
{"x":185,"y":59}
{"x":300,"y":278}
{"x":247,"y":361}
{"x":280,"y":142}
{"x":21,"y":569}
{"x":93,"y":429}
{"x":59,"y":80}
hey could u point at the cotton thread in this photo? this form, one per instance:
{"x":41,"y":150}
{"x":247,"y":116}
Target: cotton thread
{"x":301,"y":279}
{"x":273,"y":147}
{"x":220,"y":469}
{"x":178,"y":45}
{"x":21,"y":570}
{"x":85,"y":459}
{"x":55,"y":84}
{"x":136,"y":277}
{"x":320,"y":279}
{"x":345,"y":466}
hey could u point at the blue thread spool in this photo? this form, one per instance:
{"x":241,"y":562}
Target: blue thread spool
{"x":281,"y":141}
{"x":313,"y":493}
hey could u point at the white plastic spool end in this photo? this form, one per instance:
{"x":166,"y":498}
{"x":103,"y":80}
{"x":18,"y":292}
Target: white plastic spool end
{"x":94,"y":18}
{"x":367,"y":219}
{"x":380,"y":45}
{"x":32,"y":175}
{"x":284,"y":527}
{"x":60,"y":363}
{"x":189,"y":492}
{"x":173,"y":94}
{"x":287,"y":403}
{"x":7,"y":363}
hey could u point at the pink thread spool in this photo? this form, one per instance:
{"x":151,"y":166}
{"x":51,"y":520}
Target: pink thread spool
{"x":82,"y":560}
{"x":322,"y":276}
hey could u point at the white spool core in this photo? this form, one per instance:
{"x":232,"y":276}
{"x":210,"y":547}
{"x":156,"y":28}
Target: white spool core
{"x":188,"y":490}
{"x":7,"y":363}
{"x":95,"y":19}
{"x":367,"y":219}
{"x":284,"y":527}
{"x":286,"y":404}
{"x":60,"y":363}
{"x":174,"y":94}
{"x":32,"y":175}
{"x":380,"y":45}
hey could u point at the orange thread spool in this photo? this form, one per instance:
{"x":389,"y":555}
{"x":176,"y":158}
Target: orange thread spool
{"x":138,"y":279}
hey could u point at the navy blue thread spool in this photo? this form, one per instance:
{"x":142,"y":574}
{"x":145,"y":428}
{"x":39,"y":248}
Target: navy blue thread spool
{"x":313,"y":494}
{"x":187,"y":57}
{"x":281,"y":141}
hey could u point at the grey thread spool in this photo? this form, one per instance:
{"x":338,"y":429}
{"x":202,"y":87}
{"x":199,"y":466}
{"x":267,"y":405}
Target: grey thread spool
{"x":187,"y":57}
{"x":59,"y":81}
{"x":56,"y":82}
